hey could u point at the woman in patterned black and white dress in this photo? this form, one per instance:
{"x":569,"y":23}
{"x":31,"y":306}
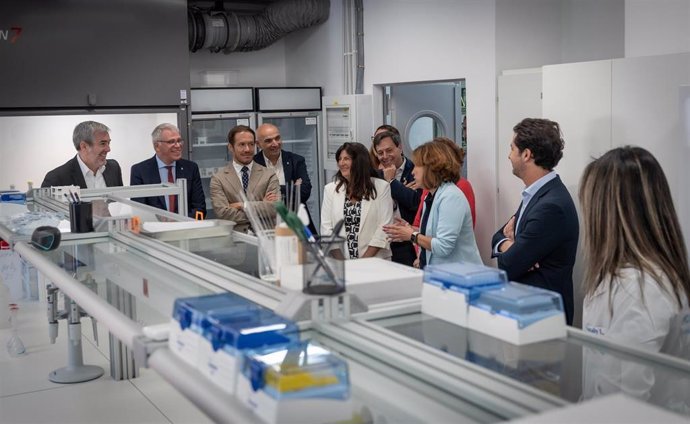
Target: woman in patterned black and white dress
{"x":362,"y":199}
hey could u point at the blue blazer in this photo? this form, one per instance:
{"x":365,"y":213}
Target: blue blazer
{"x":547,"y":235}
{"x":450,"y":226}
{"x":70,"y":174}
{"x":146,"y":172}
{"x":294,"y":168}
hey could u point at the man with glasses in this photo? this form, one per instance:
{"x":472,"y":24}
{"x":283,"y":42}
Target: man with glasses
{"x":90,"y":168}
{"x":289,"y":167}
{"x":167,"y":165}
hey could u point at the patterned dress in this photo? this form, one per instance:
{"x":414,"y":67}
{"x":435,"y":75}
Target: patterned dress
{"x":352,"y":213}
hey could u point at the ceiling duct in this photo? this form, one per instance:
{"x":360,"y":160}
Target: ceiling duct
{"x":230,"y":32}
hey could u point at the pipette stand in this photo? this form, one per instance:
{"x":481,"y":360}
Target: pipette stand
{"x":75,"y":371}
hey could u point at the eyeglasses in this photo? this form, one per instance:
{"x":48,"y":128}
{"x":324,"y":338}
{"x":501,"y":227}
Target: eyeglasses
{"x":172,"y":142}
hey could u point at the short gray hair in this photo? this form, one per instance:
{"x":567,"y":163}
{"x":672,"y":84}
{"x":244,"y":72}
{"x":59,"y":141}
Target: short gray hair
{"x":156,"y":134}
{"x":84,"y":131}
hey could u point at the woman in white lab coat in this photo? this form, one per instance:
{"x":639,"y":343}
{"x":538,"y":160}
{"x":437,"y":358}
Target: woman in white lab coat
{"x":637,"y":281}
{"x":360,"y":198}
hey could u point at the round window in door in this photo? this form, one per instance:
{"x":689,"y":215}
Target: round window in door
{"x":423,"y":127}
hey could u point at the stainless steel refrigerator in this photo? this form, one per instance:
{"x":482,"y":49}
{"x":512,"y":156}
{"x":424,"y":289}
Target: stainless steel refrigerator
{"x":214,"y":111}
{"x":297,"y":114}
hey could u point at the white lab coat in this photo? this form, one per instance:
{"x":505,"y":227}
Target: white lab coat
{"x":658,"y":324}
{"x":643,"y":325}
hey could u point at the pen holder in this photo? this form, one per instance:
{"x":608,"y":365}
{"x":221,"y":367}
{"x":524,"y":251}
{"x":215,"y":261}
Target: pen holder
{"x":81,"y":217}
{"x":324,"y":266}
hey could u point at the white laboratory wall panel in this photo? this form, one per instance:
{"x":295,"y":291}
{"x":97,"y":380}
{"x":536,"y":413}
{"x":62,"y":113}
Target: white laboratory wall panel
{"x":519,"y":97}
{"x":578,"y":97}
{"x":647,"y":95}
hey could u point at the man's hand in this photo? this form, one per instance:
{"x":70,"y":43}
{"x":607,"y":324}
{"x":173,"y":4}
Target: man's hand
{"x":413,"y":185}
{"x":236,"y":205}
{"x":271,"y":197}
{"x":389,"y":173}
{"x":509,"y":229}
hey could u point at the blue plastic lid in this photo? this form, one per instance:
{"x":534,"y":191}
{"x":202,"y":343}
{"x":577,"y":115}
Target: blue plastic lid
{"x":248,"y":328}
{"x":470,"y":279}
{"x":189,"y":311}
{"x":526,"y":304}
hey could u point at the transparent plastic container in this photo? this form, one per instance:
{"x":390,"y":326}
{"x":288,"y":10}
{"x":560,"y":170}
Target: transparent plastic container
{"x":297,"y":371}
{"x":468,"y":279}
{"x":190,"y":311}
{"x":234,"y":330}
{"x":15,"y":346}
{"x":522,"y":303}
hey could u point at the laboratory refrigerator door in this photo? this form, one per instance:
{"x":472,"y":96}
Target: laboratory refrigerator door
{"x":300,"y":132}
{"x":208,"y":145}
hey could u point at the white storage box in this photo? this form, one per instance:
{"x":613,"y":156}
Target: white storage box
{"x":372,"y":280}
{"x":186,"y":326}
{"x":518,"y":314}
{"x":448,"y":289}
{"x":227,"y":333}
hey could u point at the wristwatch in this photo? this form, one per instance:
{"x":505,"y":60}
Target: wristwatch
{"x":413,"y":237}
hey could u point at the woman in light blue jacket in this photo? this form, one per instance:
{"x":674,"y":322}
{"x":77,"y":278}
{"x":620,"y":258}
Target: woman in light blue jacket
{"x":445,"y":234}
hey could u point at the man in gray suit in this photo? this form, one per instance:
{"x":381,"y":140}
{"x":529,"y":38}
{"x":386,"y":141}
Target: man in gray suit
{"x":242,"y":174}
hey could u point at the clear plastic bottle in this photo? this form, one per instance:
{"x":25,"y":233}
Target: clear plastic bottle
{"x":15,"y":346}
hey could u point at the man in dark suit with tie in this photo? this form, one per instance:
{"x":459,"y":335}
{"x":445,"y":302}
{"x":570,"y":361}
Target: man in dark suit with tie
{"x":167,"y":165}
{"x":289,"y":167}
{"x":537,"y":245}
{"x":242,"y":174}
{"x":90,"y":168}
{"x":396,"y":169}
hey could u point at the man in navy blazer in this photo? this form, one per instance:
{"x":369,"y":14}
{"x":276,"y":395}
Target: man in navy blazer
{"x":537,"y":245}
{"x":168,"y":161}
{"x":396,"y":169}
{"x":89,"y":168}
{"x":289,"y":167}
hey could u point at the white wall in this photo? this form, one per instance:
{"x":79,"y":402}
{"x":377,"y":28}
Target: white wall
{"x":316,"y":54}
{"x":528,"y":33}
{"x":259,"y":68}
{"x":654,"y":27}
{"x":592,"y":30}
{"x":416,"y":40}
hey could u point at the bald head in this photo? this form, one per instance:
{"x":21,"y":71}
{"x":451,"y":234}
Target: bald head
{"x":268,"y":137}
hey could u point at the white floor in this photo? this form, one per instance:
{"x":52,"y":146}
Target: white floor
{"x":27,"y":396}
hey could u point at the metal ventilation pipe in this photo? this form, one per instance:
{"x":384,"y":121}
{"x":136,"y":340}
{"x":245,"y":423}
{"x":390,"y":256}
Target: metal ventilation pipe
{"x":230,"y":32}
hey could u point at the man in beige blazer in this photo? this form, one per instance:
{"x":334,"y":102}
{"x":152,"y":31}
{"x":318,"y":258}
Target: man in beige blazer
{"x":243,"y":174}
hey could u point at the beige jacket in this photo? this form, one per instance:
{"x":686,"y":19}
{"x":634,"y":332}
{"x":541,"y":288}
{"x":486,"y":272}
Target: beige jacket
{"x":226,"y":187}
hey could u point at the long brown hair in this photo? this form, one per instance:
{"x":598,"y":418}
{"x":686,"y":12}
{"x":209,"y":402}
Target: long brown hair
{"x":630,"y":221}
{"x":360,"y":186}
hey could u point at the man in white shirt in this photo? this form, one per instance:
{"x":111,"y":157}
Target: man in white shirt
{"x":243,"y":174}
{"x":90,"y":168}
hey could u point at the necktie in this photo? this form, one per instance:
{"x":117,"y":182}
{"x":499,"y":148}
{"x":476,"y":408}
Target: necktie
{"x":172,"y":200}
{"x":245,"y":178}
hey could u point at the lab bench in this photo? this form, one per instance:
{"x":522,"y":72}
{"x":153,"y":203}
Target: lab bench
{"x":404,"y":366}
